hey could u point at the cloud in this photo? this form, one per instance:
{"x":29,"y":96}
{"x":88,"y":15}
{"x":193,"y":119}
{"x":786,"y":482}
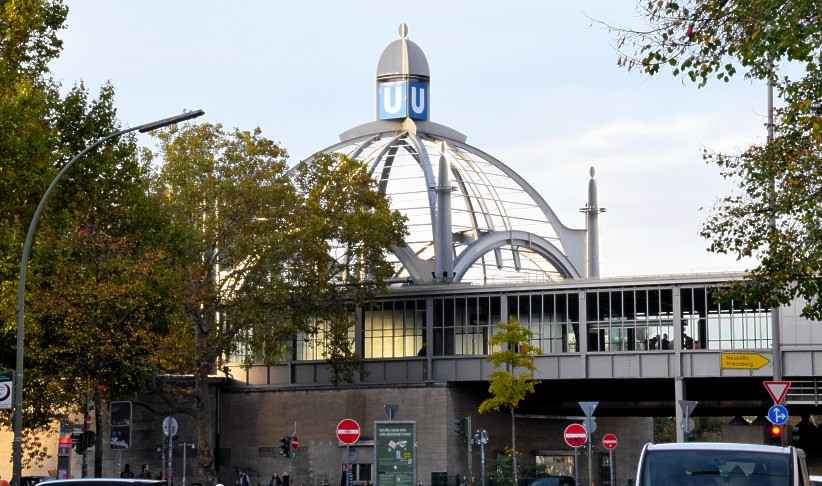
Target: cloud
{"x":652,"y":179}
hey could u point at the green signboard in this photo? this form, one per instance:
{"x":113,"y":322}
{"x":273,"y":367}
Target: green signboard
{"x":395,"y":454}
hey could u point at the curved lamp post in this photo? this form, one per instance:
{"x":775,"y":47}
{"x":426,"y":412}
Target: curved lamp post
{"x":21,"y":286}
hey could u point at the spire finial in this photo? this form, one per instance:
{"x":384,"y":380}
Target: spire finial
{"x":403,"y":30}
{"x":593,"y":172}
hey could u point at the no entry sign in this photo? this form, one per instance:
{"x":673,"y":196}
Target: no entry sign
{"x":348,"y":431}
{"x":609,"y":441}
{"x":575,"y":435}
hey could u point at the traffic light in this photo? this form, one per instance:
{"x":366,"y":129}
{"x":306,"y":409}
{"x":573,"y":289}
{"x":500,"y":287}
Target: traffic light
{"x":285,"y":446}
{"x":774,"y":434}
{"x":459,"y":427}
{"x":76,"y":440}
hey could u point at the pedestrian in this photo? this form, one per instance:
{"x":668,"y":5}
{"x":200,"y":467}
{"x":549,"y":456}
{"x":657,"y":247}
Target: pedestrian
{"x":145,"y":472}
{"x":127,"y":474}
{"x":286,"y":479}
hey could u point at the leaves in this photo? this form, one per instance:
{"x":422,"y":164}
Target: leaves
{"x":774,"y":217}
{"x":507,"y":387}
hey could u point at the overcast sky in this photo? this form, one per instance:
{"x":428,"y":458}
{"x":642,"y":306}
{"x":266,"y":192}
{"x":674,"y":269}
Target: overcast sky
{"x":536,"y":85}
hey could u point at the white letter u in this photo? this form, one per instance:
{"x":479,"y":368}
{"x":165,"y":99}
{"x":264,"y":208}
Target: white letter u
{"x":418,"y":99}
{"x":392,"y":106}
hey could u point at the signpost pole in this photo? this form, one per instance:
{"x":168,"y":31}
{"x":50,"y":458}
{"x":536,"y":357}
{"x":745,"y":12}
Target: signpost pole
{"x":170,"y":454}
{"x":482,"y":462}
{"x":576,"y":467}
{"x":590,"y":463}
{"x":610,"y":463}
{"x":470,"y":448}
{"x":185,"y":445}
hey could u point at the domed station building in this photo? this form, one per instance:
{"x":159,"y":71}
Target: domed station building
{"x":485,"y":247}
{"x":472,"y":218}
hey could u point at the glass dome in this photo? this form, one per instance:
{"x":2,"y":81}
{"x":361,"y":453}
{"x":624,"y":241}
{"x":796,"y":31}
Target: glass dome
{"x":471,"y":218}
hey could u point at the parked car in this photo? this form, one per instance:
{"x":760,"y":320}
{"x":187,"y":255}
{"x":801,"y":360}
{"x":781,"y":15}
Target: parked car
{"x":554,"y":481}
{"x":816,"y":480}
{"x":33,"y":480}
{"x":719,"y":464}
{"x":102,"y":482}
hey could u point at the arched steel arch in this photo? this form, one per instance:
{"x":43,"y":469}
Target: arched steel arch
{"x":495,"y":239}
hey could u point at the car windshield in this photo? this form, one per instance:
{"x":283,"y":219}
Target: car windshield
{"x":715,"y":468}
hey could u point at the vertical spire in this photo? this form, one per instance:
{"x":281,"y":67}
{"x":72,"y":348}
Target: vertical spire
{"x":592,"y":211}
{"x":444,"y":245}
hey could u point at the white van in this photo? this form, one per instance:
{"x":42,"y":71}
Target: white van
{"x":719,"y":464}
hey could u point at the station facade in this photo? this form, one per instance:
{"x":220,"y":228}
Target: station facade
{"x":485,"y":247}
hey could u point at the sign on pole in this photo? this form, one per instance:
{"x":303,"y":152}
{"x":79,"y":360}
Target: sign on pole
{"x":6,"y":388}
{"x":687,"y":407}
{"x":610,"y":441}
{"x":348,"y":431}
{"x":575,"y":435}
{"x":120,"y":413}
{"x":778,"y":415}
{"x":590,"y":424}
{"x":588,"y":408}
{"x":395,"y":453}
{"x":778,"y":390}
{"x":742,"y":361}
{"x":170,"y":426}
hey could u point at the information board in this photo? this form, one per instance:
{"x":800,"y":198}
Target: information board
{"x":395,"y":454}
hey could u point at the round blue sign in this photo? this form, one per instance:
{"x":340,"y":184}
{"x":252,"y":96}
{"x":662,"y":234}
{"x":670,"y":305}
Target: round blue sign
{"x":778,"y":415}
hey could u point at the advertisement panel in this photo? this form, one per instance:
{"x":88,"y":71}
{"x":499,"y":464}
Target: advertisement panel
{"x":395,"y":453}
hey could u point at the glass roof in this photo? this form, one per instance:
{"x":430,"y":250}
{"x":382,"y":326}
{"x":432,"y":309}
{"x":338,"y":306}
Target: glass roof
{"x":483,"y":199}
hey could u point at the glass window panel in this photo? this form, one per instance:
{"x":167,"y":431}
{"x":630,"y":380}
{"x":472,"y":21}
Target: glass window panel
{"x":573,"y":306}
{"x":562,"y":307}
{"x":616,"y":305}
{"x":604,"y":306}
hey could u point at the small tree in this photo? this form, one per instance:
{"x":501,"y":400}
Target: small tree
{"x":508,"y":388}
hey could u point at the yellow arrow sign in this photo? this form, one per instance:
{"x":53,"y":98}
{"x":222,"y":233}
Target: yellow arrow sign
{"x":743,"y":361}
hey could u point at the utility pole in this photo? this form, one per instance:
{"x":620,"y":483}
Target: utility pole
{"x":775,"y":326}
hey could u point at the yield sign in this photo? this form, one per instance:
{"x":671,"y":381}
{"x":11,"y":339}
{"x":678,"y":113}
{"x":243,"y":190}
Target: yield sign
{"x":588,"y":408}
{"x":777,"y":390}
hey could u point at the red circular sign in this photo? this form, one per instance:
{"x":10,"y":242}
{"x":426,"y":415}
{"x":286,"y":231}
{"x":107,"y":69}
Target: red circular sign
{"x":295,"y":442}
{"x":609,"y":441}
{"x":575,"y":435}
{"x":348,"y":431}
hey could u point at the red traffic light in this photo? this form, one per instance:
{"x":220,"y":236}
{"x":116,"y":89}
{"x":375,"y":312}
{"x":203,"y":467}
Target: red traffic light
{"x":775,"y":431}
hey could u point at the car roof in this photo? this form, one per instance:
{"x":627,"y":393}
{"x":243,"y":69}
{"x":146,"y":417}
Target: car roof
{"x":718,"y":446}
{"x":123,"y":481}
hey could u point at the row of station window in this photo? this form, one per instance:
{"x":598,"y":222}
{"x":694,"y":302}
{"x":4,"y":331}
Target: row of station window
{"x":617,"y":320}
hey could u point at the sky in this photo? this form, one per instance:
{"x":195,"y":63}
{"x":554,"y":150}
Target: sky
{"x":535,"y":84}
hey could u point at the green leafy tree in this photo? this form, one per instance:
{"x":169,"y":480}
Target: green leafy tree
{"x":268,"y":253}
{"x":700,"y":40}
{"x":95,"y":293}
{"x":508,"y":387}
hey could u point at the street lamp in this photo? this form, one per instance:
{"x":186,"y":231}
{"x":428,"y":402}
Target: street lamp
{"x":21,"y":285}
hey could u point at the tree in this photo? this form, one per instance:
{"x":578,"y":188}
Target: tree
{"x":507,"y":387}
{"x":776,"y":216}
{"x":268,"y":253}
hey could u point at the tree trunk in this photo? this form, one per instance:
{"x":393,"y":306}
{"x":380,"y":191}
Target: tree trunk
{"x":202,"y":412}
{"x":99,"y":420}
{"x":514,"y":447}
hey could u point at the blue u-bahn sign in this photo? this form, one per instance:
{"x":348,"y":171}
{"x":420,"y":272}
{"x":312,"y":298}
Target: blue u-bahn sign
{"x":403,"y":99}
{"x":778,"y":415}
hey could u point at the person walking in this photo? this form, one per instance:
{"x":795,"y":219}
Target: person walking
{"x":145,"y":472}
{"x":127,"y":474}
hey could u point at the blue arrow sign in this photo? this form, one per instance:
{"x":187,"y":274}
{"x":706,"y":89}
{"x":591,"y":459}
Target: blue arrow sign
{"x":778,"y":415}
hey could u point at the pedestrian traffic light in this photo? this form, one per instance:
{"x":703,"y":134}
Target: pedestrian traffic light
{"x":285,"y":446}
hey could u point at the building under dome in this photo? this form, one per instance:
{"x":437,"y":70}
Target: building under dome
{"x":471,"y":217}
{"x":486,"y":248}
